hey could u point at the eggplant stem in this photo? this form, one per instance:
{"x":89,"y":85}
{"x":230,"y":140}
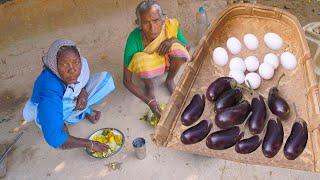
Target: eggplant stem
{"x":250,"y":90}
{"x":242,"y":127}
{"x":245,"y":88}
{"x":295,"y":110}
{"x":262,"y":134}
{"x":262,"y":96}
{"x":298,"y":119}
{"x":282,"y":75}
{"x":233,"y":83}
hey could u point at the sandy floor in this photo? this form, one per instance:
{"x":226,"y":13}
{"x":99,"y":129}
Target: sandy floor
{"x":101,"y":38}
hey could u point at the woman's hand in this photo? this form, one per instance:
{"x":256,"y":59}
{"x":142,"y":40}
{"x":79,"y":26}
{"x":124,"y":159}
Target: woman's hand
{"x":98,"y":147}
{"x":74,"y":142}
{"x":155,"y":108}
{"x":165,"y":46}
{"x":82,"y":100}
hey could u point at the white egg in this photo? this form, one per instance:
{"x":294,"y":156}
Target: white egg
{"x":234,"y":45}
{"x":254,"y":80}
{"x":273,"y":41}
{"x":272,"y":59}
{"x":266,"y":71}
{"x":220,"y":56}
{"x":237,"y":75}
{"x":251,"y":41}
{"x":252,"y":63}
{"x":237,"y":64}
{"x":288,"y":61}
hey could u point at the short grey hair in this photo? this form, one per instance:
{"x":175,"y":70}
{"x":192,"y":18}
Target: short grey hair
{"x":146,"y":5}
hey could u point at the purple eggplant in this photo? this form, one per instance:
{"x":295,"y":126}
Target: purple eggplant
{"x":219,"y":86}
{"x":257,"y":119}
{"x":228,"y":99}
{"x":194,"y":110}
{"x":224,"y":139}
{"x":297,"y":140}
{"x":233,"y":115}
{"x":273,"y":139}
{"x":277,"y":105}
{"x":246,"y":146}
{"x":196,"y":133}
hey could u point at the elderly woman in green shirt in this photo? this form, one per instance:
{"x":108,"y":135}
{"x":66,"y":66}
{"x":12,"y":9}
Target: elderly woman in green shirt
{"x":155,"y":47}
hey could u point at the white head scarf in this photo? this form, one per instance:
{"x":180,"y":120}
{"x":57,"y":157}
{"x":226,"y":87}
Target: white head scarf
{"x":50,"y":58}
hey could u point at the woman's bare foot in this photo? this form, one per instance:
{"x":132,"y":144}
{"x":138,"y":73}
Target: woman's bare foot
{"x":94,"y":116}
{"x":170,"y":85}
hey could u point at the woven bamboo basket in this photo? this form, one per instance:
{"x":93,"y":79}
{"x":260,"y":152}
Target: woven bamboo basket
{"x":299,"y":86}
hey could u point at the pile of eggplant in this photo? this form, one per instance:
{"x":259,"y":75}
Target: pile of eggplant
{"x":231,"y":110}
{"x":233,"y":113}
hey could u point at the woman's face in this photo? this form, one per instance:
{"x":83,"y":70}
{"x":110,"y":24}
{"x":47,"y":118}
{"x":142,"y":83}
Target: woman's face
{"x":69,"y":67}
{"x":151,"y":23}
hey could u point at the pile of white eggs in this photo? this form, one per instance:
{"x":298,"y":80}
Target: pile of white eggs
{"x":255,"y":70}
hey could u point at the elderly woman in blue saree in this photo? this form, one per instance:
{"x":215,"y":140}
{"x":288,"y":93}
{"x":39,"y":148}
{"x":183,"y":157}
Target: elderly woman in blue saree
{"x":64,"y":93}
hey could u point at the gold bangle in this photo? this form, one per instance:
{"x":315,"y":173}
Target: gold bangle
{"x":150,"y":101}
{"x":91,"y":145}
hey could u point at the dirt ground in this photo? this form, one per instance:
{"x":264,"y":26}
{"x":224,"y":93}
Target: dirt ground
{"x":100,"y":29}
{"x":305,"y":10}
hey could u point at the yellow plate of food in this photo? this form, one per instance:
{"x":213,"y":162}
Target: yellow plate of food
{"x":114,"y":138}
